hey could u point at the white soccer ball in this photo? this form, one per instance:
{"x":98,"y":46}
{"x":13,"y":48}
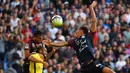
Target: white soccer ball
{"x":57,"y":20}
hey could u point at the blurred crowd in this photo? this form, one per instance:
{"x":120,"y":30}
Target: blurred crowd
{"x":19,"y":19}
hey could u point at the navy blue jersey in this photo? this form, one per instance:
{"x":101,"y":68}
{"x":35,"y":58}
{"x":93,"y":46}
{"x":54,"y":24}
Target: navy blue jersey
{"x":83,"y":49}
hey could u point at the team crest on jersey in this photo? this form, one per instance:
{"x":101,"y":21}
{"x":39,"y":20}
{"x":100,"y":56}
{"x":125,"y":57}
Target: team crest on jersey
{"x":83,"y":36}
{"x":26,"y":45}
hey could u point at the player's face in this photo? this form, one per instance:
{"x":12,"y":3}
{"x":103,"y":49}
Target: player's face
{"x":39,"y":38}
{"x":40,"y":51}
{"x":78,"y":33}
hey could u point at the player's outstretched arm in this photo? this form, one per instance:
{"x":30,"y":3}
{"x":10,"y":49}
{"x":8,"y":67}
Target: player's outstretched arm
{"x":93,"y":16}
{"x":59,"y":44}
{"x":55,"y":44}
{"x":50,"y":54}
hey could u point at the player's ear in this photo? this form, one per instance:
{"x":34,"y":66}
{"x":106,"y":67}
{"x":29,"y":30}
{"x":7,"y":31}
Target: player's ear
{"x":34,"y":38}
{"x":82,"y":32}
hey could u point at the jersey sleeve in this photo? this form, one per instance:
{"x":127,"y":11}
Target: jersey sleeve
{"x":91,"y":37}
{"x":26,"y":46}
{"x":91,"y":33}
{"x":72,"y":43}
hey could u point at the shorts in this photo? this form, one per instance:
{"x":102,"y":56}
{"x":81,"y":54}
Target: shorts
{"x":2,"y":56}
{"x":94,"y":67}
{"x":26,"y":67}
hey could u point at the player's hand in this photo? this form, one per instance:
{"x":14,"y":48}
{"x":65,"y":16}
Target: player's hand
{"x":54,"y":49}
{"x":93,"y":4}
{"x":47,"y":42}
{"x":45,"y":64}
{"x":34,"y":2}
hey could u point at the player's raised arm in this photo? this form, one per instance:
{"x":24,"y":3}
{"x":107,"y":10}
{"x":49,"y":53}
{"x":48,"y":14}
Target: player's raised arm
{"x":93,"y":16}
{"x":50,"y":54}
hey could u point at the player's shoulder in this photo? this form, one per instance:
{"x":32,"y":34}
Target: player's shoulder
{"x":28,"y":44}
{"x":71,"y":40}
{"x":35,"y":55}
{"x":91,"y":33}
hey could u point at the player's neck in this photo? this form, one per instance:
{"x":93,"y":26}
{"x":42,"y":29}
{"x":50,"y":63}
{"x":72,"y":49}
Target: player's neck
{"x":81,"y":36}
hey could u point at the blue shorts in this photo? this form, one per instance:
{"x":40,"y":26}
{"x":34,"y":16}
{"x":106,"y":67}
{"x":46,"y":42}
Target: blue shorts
{"x":94,"y":67}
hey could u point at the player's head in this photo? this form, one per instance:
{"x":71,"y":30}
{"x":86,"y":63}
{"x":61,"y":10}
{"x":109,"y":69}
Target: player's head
{"x":37,"y":37}
{"x":50,"y":69}
{"x":81,"y":31}
{"x":39,"y":50}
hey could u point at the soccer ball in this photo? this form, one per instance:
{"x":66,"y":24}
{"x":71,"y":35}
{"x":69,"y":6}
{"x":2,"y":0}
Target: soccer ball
{"x":57,"y":20}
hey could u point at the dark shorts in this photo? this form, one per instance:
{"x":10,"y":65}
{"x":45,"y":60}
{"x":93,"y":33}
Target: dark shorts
{"x":26,"y":67}
{"x":2,"y":56}
{"x":94,"y":67}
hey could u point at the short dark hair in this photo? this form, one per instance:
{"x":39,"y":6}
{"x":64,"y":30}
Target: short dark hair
{"x":50,"y":66}
{"x":84,"y":29}
{"x":38,"y":48}
{"x":37,"y":33}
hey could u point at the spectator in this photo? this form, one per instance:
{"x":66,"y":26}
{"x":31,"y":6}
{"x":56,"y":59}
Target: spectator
{"x":26,"y":30}
{"x":127,"y":16}
{"x":20,"y":18}
{"x":126,"y":34}
{"x":10,"y":43}
{"x":119,"y":39}
{"x":102,"y":34}
{"x":48,"y":22}
{"x":119,"y":64}
{"x":49,"y":69}
{"x":58,"y":69}
{"x":2,"y":46}
{"x":77,"y":69}
{"x":68,"y":53}
{"x":112,"y":64}
{"x":80,"y":21}
{"x":60,"y":37}
{"x":65,"y":31}
{"x":26,"y":37}
{"x":106,"y":41}
{"x":14,"y":20}
{"x":10,"y":70}
{"x":79,"y":13}
{"x":16,"y":62}
{"x":15,"y":3}
{"x":126,"y":68}
{"x":70,"y":21}
{"x":53,"y":31}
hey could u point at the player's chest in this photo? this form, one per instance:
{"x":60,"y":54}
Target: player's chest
{"x":81,"y":43}
{"x":34,"y":45}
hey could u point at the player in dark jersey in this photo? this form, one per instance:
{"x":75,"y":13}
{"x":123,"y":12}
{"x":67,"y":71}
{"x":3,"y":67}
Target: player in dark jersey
{"x":31,"y":48}
{"x":83,"y":48}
